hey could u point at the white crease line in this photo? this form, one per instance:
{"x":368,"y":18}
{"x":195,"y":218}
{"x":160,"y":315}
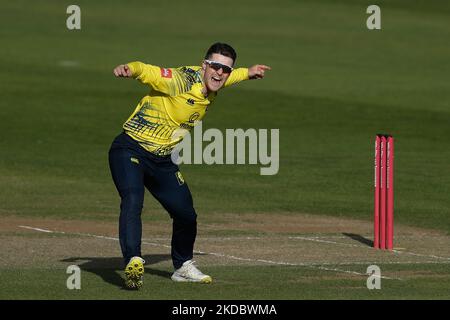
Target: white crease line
{"x":357,"y":273}
{"x":72,"y":233}
{"x":367,"y":247}
{"x":216,"y":238}
{"x":371,"y":235}
{"x":249,"y":238}
{"x":326,"y":241}
{"x":269,"y":237}
{"x":421,"y":255}
{"x":308,"y":265}
{"x":217,"y":254}
{"x":37,"y":229}
{"x":379,"y":262}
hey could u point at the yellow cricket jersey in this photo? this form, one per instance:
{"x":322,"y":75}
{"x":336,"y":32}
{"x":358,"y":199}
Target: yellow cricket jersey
{"x":173,"y":106}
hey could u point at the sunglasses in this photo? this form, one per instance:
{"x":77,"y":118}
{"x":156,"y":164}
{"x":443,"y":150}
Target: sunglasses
{"x":217,"y":66}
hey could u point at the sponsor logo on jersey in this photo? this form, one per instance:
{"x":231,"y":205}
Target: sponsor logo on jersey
{"x":186,"y":126}
{"x":166,"y":73}
{"x":190,"y":101}
{"x":194,"y":117}
{"x":189,"y":125}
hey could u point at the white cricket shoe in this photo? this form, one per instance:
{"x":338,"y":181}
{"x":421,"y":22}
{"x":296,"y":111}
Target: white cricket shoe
{"x":189,"y":273}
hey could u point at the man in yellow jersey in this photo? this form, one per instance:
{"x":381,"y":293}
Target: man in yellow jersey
{"x":140,"y":158}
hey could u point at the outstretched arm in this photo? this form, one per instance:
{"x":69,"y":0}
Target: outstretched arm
{"x":257,"y":71}
{"x":240,"y":74}
{"x":165,"y":80}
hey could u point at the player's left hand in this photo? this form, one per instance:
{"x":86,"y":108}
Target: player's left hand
{"x":257,"y":71}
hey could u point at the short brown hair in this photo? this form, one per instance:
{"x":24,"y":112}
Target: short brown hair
{"x":223,"y":49}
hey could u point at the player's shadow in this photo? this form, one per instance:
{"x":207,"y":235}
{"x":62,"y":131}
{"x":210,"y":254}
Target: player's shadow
{"x":110,"y":269}
{"x":359,"y":238}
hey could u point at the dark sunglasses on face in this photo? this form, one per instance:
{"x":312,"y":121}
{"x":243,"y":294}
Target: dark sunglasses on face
{"x":217,"y":66}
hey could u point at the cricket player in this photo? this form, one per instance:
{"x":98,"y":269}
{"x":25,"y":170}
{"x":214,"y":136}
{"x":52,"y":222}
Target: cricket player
{"x":140,"y":157}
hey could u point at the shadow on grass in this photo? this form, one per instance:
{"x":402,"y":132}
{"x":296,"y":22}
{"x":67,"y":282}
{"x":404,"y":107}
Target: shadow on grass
{"x":111,"y":269}
{"x":359,"y":238}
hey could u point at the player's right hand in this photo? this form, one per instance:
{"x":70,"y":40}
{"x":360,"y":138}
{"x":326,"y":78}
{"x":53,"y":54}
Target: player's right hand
{"x":122,"y":71}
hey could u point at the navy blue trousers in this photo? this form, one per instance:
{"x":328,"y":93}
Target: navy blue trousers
{"x":133,"y":169}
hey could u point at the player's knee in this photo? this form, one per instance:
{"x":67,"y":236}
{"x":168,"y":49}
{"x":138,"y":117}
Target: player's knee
{"x":185,"y":216}
{"x":132,"y":201}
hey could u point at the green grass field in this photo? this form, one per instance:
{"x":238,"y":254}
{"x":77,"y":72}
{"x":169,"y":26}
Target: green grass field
{"x":242,"y":283}
{"x":334,"y":85}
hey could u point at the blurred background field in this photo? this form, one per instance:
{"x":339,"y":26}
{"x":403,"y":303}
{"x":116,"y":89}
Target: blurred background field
{"x":334,"y":84}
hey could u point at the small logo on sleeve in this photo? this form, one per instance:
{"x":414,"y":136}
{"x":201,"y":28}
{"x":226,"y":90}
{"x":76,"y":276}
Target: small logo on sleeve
{"x":135,"y":160}
{"x":166,"y":73}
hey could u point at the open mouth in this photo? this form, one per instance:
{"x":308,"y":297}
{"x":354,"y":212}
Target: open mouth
{"x":216,"y":80}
